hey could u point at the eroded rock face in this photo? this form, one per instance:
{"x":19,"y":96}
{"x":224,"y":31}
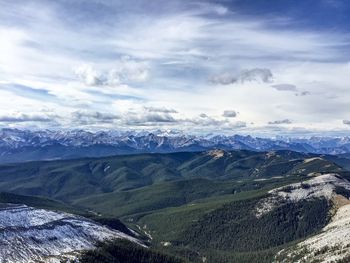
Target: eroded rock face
{"x":216,"y":154}
{"x":31,"y":235}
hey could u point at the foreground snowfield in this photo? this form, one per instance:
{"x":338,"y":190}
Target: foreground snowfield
{"x":31,"y":235}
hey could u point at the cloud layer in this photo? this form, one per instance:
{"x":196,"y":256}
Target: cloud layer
{"x":191,"y":65}
{"x":248,"y":75}
{"x":278,"y":122}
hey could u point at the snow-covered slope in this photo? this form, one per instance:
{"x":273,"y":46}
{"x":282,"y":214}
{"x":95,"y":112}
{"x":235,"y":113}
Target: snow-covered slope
{"x":322,"y":186}
{"x":25,"y":145}
{"x":32,"y":235}
{"x":331,"y":245}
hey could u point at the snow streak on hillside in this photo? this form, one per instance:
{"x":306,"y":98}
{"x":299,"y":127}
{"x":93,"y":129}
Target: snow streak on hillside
{"x":322,"y":186}
{"x":32,"y":235}
{"x":332,"y":244}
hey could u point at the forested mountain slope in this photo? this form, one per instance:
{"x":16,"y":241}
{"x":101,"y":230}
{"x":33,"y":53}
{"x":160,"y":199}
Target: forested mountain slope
{"x":214,"y":206}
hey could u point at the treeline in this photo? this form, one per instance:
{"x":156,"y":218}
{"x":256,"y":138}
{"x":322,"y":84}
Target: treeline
{"x":235,"y":228}
{"x":123,"y":251}
{"x":113,"y":223}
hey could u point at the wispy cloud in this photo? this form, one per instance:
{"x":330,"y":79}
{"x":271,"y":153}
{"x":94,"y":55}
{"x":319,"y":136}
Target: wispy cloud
{"x":278,"y":122}
{"x":229,"y":114}
{"x":125,"y":70}
{"x":23,"y":117}
{"x":162,"y":110}
{"x":285,"y":87}
{"x":247,"y":75}
{"x":131,"y":64}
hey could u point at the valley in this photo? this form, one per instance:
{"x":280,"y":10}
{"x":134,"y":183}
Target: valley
{"x":181,"y":131}
{"x":213,"y":206}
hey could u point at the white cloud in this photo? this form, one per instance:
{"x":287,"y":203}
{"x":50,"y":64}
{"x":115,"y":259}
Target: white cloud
{"x":124,"y":70}
{"x":89,"y":76}
{"x":247,"y":75}
{"x":160,"y":61}
{"x":223,"y":79}
{"x":229,"y":114}
{"x":256,"y":74}
{"x":89,"y":117}
{"x":162,"y":109}
{"x":149,"y":119}
{"x":278,"y":122}
{"x":285,"y":87}
{"x":15,"y":117}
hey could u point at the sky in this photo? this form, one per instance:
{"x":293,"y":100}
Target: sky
{"x":265,"y":68}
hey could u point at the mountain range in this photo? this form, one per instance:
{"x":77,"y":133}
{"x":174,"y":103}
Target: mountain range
{"x":27,"y":145}
{"x":170,"y":197}
{"x":210,"y":206}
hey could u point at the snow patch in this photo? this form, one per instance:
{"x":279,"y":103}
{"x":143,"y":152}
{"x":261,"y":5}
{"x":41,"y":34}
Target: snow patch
{"x":309,"y":160}
{"x":106,"y":168}
{"x":270,"y":154}
{"x":317,"y":187}
{"x":216,"y":154}
{"x":331,"y":245}
{"x":32,"y":235}
{"x":165,"y":243}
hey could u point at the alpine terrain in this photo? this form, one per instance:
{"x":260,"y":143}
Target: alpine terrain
{"x":181,"y":131}
{"x":212,"y":206}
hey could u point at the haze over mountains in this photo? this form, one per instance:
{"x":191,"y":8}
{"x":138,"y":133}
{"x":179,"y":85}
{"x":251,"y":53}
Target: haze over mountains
{"x":26,"y":145}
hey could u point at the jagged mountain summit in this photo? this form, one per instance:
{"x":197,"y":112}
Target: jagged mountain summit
{"x":25,"y":145}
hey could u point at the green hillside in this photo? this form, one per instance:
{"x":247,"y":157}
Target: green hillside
{"x":74,"y":179}
{"x":193,"y":205}
{"x":123,"y":251}
{"x":38,"y":202}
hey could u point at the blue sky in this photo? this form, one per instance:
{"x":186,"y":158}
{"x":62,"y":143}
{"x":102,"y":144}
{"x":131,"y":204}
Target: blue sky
{"x":242,"y":66}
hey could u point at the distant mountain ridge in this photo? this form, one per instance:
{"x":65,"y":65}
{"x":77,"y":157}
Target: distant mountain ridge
{"x":26,"y":145}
